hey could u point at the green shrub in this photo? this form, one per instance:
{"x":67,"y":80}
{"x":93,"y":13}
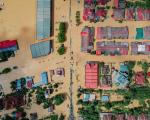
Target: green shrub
{"x":59,"y":99}
{"x":54,"y":117}
{"x":62,"y":27}
{"x":61,"y":37}
{"x":61,"y":50}
{"x":6,"y":70}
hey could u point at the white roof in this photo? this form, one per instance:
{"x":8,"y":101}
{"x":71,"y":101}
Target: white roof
{"x":141,"y":48}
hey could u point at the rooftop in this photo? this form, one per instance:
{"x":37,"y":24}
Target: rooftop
{"x":41,"y":48}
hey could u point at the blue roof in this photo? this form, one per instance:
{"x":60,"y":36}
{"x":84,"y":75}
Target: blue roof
{"x":139,"y":33}
{"x":43,"y":27}
{"x":121,"y":77}
{"x":18,"y":84}
{"x":123,"y":68}
{"x":86,"y":97}
{"x":13,"y":48}
{"x":44,"y":78}
{"x":105,"y":98}
{"x":36,"y":85}
{"x":41,"y":49}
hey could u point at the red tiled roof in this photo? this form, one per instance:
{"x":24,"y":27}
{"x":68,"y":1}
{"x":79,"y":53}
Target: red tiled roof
{"x":139,"y":78}
{"x":123,"y":51}
{"x":131,"y":117}
{"x":120,"y":117}
{"x":91,"y":75}
{"x":129,"y":14}
{"x":98,"y":52}
{"x":107,"y":117}
{"x":88,"y":1}
{"x":102,"y":2}
{"x":116,"y":3}
{"x":148,"y":74}
{"x":86,"y":13}
{"x":29,"y":84}
{"x":8,"y":43}
{"x":140,"y":14}
{"x":101,"y":12}
{"x":142,"y":117}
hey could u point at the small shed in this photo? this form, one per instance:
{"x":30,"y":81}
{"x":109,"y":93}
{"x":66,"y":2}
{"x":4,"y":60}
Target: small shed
{"x":88,"y":97}
{"x":105,"y":98}
{"x":44,"y":78}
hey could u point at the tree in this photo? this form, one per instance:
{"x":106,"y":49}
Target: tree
{"x":13,"y":85}
{"x":47,"y":103}
{"x":56,"y":85}
{"x":59,"y":99}
{"x":62,"y":117}
{"x":61,"y":50}
{"x":6,"y":70}
{"x":131,"y":64}
{"x":62,"y":27}
{"x":61,"y":37}
{"x":7,"y":117}
{"x":54,"y":117}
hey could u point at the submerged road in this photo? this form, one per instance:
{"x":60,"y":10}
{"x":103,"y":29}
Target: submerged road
{"x":71,"y":115}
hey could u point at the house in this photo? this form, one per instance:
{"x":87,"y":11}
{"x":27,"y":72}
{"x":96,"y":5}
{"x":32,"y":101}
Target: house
{"x":105,"y":98}
{"x":41,"y":49}
{"x":102,"y":2}
{"x":118,"y":14}
{"x":112,"y":48}
{"x":92,"y":11}
{"x":129,"y":13}
{"x":88,"y":14}
{"x":143,"y":117}
{"x":120,"y":78}
{"x":14,"y":101}
{"x":87,"y":39}
{"x":88,"y":97}
{"x":106,"y":79}
{"x":143,"y":33}
{"x":91,"y":75}
{"x":100,"y":14}
{"x":139,"y":78}
{"x":16,"y":115}
{"x":29,"y":82}
{"x":106,"y":116}
{"x":146,"y":32}
{"x":60,"y":72}
{"x":88,"y":2}
{"x":140,"y":48}
{"x":138,"y":14}
{"x":131,"y":117}
{"x":8,"y":45}
{"x":44,"y":78}
{"x":112,"y":32}
{"x":106,"y":69}
{"x":44,"y":19}
{"x":119,"y":3}
{"x":120,"y":117}
{"x":142,"y":14}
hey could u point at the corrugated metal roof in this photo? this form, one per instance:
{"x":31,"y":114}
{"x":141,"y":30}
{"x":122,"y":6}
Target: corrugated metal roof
{"x":43,"y":19}
{"x":91,"y":75}
{"x":41,"y":49}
